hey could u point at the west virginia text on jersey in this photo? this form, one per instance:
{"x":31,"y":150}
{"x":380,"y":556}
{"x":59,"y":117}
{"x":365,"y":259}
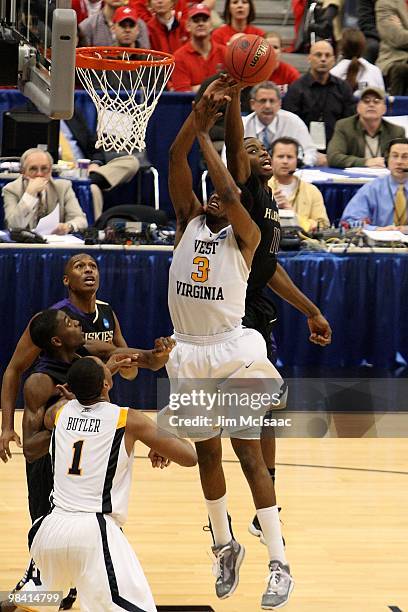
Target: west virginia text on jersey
{"x":207,"y":281}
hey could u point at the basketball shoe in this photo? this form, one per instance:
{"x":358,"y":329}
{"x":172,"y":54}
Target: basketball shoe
{"x":256,"y":530}
{"x":280,"y":586}
{"x":228,"y":559}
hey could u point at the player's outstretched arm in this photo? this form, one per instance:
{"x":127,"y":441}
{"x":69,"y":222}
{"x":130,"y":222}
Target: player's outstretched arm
{"x":282,"y":285}
{"x":36,"y":440}
{"x":237,"y":157}
{"x":140,"y":427}
{"x":246,"y":231}
{"x":24,"y":356}
{"x":185,"y":203}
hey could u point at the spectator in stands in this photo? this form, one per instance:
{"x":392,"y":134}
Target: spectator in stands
{"x":167,"y":29}
{"x":238,"y":15}
{"x":35,"y":194}
{"x":361,"y":140}
{"x":318,"y":97}
{"x":366,"y":23}
{"x":181,"y":7}
{"x":353,"y":68}
{"x":290,"y":192}
{"x":96,"y":31}
{"x":200,"y":57}
{"x":392,"y":24}
{"x":268,"y":122}
{"x":284,"y":74}
{"x":86,"y":8}
{"x":382,"y":204}
{"x":125,"y":28}
{"x":329,"y":25}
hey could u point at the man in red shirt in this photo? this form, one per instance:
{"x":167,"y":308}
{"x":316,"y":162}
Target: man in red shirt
{"x":167,"y":30}
{"x":199,"y":58}
{"x":284,"y":74}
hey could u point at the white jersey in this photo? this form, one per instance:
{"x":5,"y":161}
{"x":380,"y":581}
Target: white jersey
{"x":207,"y":281}
{"x":92,"y":470}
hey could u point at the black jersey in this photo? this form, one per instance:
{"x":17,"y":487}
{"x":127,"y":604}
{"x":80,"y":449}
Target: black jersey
{"x":98,"y":325}
{"x":265,"y":214}
{"x":39,"y":472}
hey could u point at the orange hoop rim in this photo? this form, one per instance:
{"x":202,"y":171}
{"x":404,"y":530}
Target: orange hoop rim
{"x":105,"y":58}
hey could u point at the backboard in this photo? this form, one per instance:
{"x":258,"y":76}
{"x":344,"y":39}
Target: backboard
{"x":43,"y":34}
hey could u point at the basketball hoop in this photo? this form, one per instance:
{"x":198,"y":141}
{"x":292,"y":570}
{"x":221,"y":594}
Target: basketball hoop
{"x":125,"y":85}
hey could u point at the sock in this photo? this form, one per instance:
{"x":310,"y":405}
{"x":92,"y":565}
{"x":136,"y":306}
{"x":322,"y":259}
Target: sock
{"x":272,"y":474}
{"x":217,"y":511}
{"x":269,"y":521}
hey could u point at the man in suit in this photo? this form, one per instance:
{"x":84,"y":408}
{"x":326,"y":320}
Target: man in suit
{"x":362,"y":139}
{"x":392,"y":25}
{"x":35,"y":194}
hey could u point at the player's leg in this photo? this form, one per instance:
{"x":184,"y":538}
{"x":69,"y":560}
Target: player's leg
{"x":110,"y":577}
{"x":261,"y":314}
{"x":280,"y":582}
{"x":227,"y":551}
{"x":39,"y":484}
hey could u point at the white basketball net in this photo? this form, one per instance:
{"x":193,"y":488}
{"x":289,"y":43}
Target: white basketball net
{"x":125,"y":101}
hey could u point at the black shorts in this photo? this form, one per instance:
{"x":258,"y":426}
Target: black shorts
{"x":39,"y":483}
{"x":261,"y":314}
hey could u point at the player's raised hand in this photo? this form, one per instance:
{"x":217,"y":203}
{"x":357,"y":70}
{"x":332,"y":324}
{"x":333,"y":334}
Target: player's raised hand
{"x":7,"y":436}
{"x":158,"y":461}
{"x":206,"y":112}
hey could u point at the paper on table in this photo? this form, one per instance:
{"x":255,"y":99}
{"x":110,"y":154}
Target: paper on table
{"x":310,"y":176}
{"x":369,"y":171}
{"x":386,"y":236}
{"x":47,"y":224}
{"x":64,"y":239}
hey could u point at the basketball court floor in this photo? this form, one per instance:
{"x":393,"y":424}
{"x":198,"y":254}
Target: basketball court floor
{"x":344,"y":518}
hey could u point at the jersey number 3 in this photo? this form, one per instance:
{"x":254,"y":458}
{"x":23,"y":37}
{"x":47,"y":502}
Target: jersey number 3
{"x":203,"y":267}
{"x":75,"y":470}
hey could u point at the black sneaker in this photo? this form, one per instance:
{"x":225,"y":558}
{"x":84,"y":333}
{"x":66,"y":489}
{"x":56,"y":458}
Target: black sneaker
{"x":69,"y":600}
{"x":255,"y":529}
{"x":28,"y":574}
{"x":209,"y":528}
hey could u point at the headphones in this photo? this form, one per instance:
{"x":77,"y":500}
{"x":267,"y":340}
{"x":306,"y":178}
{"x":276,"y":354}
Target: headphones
{"x":390,"y":144}
{"x":287,"y":140}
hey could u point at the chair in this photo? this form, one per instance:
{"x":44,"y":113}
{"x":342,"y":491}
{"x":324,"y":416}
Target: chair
{"x":131,"y":212}
{"x":146,"y":168}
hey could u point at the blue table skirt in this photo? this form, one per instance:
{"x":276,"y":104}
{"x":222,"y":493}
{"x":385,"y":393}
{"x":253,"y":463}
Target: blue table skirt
{"x":363,"y":296}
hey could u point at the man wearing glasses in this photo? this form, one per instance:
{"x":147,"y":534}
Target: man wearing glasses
{"x":268,"y":122}
{"x":361,"y":140}
{"x":35,"y":194}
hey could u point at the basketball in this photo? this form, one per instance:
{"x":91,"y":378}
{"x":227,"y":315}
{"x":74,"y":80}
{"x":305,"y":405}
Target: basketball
{"x":251,"y":59}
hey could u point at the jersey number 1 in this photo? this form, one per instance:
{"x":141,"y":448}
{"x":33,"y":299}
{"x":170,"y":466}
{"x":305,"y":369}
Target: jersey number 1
{"x":75,"y":470}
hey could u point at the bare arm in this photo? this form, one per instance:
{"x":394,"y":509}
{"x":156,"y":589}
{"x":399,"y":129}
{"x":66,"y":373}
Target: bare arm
{"x":36,"y":440}
{"x":246,"y":231}
{"x":23,"y":357}
{"x":185,"y":203}
{"x":140,"y":427}
{"x":282,"y":285}
{"x":237,"y":157}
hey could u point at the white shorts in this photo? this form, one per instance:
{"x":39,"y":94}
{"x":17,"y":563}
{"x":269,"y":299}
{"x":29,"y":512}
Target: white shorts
{"x":231,"y":364}
{"x":91,"y":553}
